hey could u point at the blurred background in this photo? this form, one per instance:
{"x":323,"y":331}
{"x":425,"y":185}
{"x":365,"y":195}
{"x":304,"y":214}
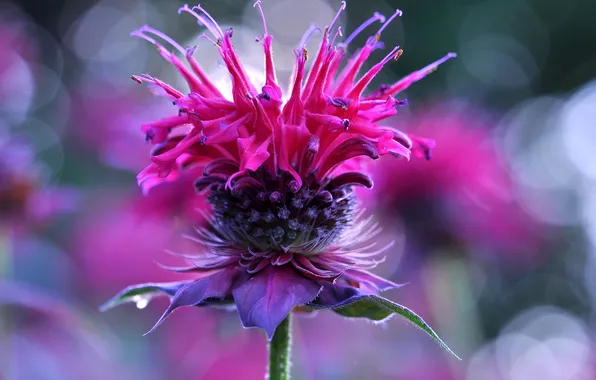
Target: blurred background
{"x":496,"y":234}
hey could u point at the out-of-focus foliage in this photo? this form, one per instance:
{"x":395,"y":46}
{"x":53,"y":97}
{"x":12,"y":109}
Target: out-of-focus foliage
{"x":495,"y":236}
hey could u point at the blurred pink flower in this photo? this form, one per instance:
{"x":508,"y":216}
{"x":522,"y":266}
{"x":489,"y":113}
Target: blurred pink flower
{"x":122,"y":240}
{"x":107,"y":121}
{"x":19,"y":50}
{"x":109,"y":125}
{"x":463,"y":194}
{"x":24,"y":198}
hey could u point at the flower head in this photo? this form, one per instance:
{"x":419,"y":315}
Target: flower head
{"x":279,"y":173}
{"x":479,"y":188}
{"x":23,"y":198}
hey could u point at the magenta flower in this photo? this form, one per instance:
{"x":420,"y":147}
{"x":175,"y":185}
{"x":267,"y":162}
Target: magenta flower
{"x":118,"y":243}
{"x":114,"y":135}
{"x":279,"y":173}
{"x":24,"y":198}
{"x":111,"y":134}
{"x":480,"y":187}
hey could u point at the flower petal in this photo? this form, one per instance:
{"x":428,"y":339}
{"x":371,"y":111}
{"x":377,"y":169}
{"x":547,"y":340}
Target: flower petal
{"x":267,"y":298}
{"x":193,"y":293}
{"x":370,"y":281}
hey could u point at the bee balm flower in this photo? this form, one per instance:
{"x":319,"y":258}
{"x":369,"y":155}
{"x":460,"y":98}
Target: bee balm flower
{"x":279,"y":175}
{"x":24,"y":198}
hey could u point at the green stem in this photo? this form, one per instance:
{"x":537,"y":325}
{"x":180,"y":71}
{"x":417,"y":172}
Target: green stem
{"x":5,"y":314}
{"x":280,"y":349}
{"x":5,"y":253}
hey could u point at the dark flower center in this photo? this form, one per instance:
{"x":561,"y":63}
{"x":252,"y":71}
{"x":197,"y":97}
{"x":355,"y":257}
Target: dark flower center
{"x":273,"y":215}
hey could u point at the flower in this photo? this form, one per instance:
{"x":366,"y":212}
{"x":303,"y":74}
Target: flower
{"x":111,"y":135}
{"x":117,"y":243}
{"x":479,"y":188}
{"x":23,"y":198}
{"x":114,"y":135}
{"x":285,"y":229}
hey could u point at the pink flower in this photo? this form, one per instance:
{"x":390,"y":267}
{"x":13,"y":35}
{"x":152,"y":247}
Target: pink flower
{"x":117,"y":242}
{"x":325,"y":124}
{"x":464,"y":194}
{"x":116,"y":138}
{"x":24,"y":198}
{"x":113,"y":134}
{"x":279,"y":174}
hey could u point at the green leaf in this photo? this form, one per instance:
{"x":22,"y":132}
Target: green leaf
{"x":141,"y":294}
{"x":378,"y":308}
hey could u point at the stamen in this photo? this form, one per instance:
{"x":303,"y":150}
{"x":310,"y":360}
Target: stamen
{"x":307,"y":35}
{"x":257,"y":4}
{"x":367,"y":78}
{"x":339,"y":102}
{"x":376,"y":16}
{"x":433,"y":66}
{"x":214,"y":29}
{"x":338,"y":32}
{"x":138,"y":33}
{"x":163,"y":36}
{"x":198,"y":6}
{"x":386,"y":23}
{"x":206,"y":37}
{"x":394,"y":54}
{"x":341,"y":9}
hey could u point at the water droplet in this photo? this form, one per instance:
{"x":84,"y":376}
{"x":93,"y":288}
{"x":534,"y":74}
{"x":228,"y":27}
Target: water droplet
{"x":141,"y":301}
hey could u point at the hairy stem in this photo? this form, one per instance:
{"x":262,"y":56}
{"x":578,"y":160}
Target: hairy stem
{"x":280,"y":349}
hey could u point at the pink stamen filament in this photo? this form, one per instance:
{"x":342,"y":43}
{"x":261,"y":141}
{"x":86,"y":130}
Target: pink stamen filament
{"x":435,"y":65}
{"x":163,"y":36}
{"x":257,"y":4}
{"x":215,"y":30}
{"x":206,"y":37}
{"x":341,"y":9}
{"x":365,"y":80}
{"x":338,"y":32}
{"x":364,"y":25}
{"x":395,"y":52}
{"x":386,"y":23}
{"x":163,"y":51}
{"x":307,"y":35}
{"x":198,"y":6}
{"x":138,"y":33}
